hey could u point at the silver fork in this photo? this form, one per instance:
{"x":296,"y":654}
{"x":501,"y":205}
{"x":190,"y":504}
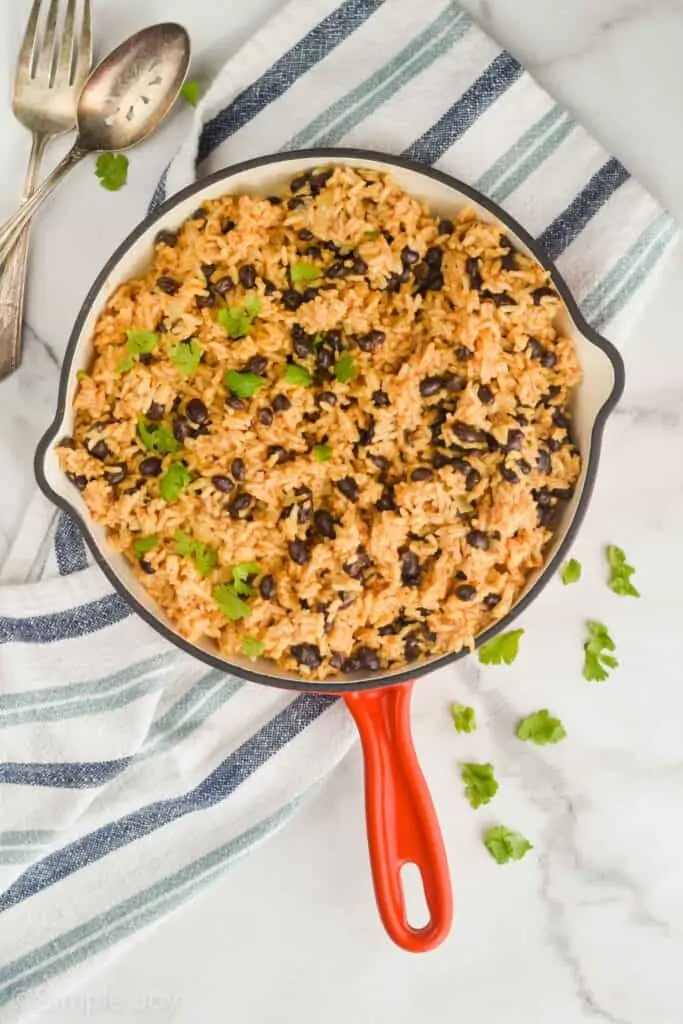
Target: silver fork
{"x":48,"y":78}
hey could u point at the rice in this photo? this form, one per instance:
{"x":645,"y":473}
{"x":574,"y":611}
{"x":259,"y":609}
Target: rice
{"x":329,"y":428}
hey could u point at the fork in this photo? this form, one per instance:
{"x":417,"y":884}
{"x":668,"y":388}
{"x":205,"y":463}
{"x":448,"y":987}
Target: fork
{"x":48,"y":78}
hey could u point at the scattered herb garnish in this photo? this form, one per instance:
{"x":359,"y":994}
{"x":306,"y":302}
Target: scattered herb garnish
{"x":240,"y":577}
{"x":596,"y":662}
{"x":503,"y":648}
{"x":252,"y":647}
{"x":571,"y":572}
{"x":156,"y":438}
{"x":504,"y":845}
{"x":303,"y":272}
{"x":191,"y":92}
{"x":187,"y":356}
{"x":176,"y":478}
{"x":620,"y":573}
{"x":237,"y":320}
{"x":464,"y":718}
{"x":137,"y":343}
{"x":297,"y":375}
{"x":203,"y":555}
{"x":480,"y":784}
{"x":81,"y":375}
{"x":345,"y":368}
{"x":232,"y":606}
{"x":541,"y":728}
{"x":318,"y":340}
{"x":371,"y":235}
{"x":112,"y":170}
{"x":244,"y":384}
{"x":322,"y":452}
{"x":145,"y":544}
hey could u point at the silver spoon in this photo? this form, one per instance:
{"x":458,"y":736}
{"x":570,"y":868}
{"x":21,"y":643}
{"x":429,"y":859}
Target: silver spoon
{"x":122,"y":102}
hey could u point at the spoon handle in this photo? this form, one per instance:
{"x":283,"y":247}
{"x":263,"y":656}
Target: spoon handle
{"x":12,"y":229}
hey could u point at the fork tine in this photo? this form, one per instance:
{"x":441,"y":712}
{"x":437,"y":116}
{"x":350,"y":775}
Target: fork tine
{"x":28,"y":45}
{"x":65,"y":55}
{"x":47,"y":53}
{"x":84,"y":46}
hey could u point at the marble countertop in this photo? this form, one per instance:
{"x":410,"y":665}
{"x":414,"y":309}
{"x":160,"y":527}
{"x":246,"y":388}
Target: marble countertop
{"x":589,"y":927}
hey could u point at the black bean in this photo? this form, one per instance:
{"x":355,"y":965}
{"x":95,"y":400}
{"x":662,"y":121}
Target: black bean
{"x":318,"y":181}
{"x":515,"y":441}
{"x":181,"y":429}
{"x":367,"y":659}
{"x":169,"y":238}
{"x":150,"y":466}
{"x":257,"y":365}
{"x":548,"y":360}
{"x":155,"y":412}
{"x":411,"y":649}
{"x":99,"y":450}
{"x":267,"y":588}
{"x":224,"y":285}
{"x":196,"y":411}
{"x":146,"y":566}
{"x":474,"y":273}
{"x":410,"y":568}
{"x":498,"y":298}
{"x":237,"y":469}
{"x":463,"y":354}
{"x":115,"y":474}
{"x":227,"y":225}
{"x":434,"y":256}
{"x":562,"y":493}
{"x":78,"y":480}
{"x":546,"y":516}
{"x":393,"y":283}
{"x":298,"y":551}
{"x":554,"y":444}
{"x":467,"y":433}
{"x":314,"y":251}
{"x":485,"y":395}
{"x":560,"y":420}
{"x":472,"y":479}
{"x":294,"y":202}
{"x":279,"y":453}
{"x":240,"y":503}
{"x":67,"y":442}
{"x":348,"y":487}
{"x":298,"y":183}
{"x":207,"y":269}
{"x":508,"y":261}
{"x":274,"y":200}
{"x":324,"y":523}
{"x":168,"y":285}
{"x":334,"y":339}
{"x":387,"y":500}
{"x":281,"y":403}
{"x":371,"y":341}
{"x":541,"y":293}
{"x":465,"y":592}
{"x":234,"y":402}
{"x":523,"y":466}
{"x":309,"y":294}
{"x":409,"y":256}
{"x":440,"y":460}
{"x":430,"y":385}
{"x":421,"y":473}
{"x":146,"y":358}
{"x":265,"y":416}
{"x":200,"y":214}
{"x":491,"y":600}
{"x":359,"y":266}
{"x":460,"y":575}
{"x":304,"y":511}
{"x":337,"y":660}
{"x":307,"y":655}
{"x":521,"y":419}
{"x":247,"y":275}
{"x":543,"y":461}
{"x":534,"y":348}
{"x":302,"y":344}
{"x":356,"y":568}
{"x":222,"y":483}
{"x":509,"y":474}
{"x":291,"y":300}
{"x":380,"y":399}
{"x":453,"y":384}
{"x":326,"y":398}
{"x":305,"y":235}
{"x":434,"y":282}
{"x":335,"y":270}
{"x":205,"y":301}
{"x":446,"y":226}
{"x":478,"y":539}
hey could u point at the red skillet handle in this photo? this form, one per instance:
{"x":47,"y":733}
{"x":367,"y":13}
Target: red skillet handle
{"x":402,"y":824}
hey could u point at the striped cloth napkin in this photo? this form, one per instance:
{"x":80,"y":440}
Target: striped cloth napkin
{"x":132,"y":777}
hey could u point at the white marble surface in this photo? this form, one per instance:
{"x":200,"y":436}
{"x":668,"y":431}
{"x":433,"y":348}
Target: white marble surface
{"x":590,"y":926}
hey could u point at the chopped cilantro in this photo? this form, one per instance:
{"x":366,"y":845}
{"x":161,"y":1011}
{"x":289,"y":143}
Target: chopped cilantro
{"x":505,"y":845}
{"x":252,"y":305}
{"x":620,"y":573}
{"x":322,"y":452}
{"x":503,"y":648}
{"x":137,"y":343}
{"x":112,"y":170}
{"x":252,"y":647}
{"x":81,"y":375}
{"x":596,"y":662}
{"x":232,"y":606}
{"x":240,"y":577}
{"x":237,"y":320}
{"x":126,"y":364}
{"x":480,"y":784}
{"x":203,"y":555}
{"x":297,"y":375}
{"x":176,"y":478}
{"x":371,"y":235}
{"x":156,"y":438}
{"x":318,"y":340}
{"x":244,"y":384}
{"x":191,"y":92}
{"x":302,"y":272}
{"x":345,"y":368}
{"x":187,"y":355}
{"x":571,"y":572}
{"x":145,"y":544}
{"x":464,"y":718}
{"x":541,"y":728}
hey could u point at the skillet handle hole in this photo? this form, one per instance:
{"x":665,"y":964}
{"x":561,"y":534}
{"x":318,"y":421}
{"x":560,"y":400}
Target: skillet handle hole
{"x":414,"y":898}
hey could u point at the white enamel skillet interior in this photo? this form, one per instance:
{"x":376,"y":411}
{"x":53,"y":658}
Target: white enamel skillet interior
{"x":594,"y":399}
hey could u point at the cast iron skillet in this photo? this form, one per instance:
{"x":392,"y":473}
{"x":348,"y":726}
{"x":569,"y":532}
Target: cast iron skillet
{"x":402,"y":825}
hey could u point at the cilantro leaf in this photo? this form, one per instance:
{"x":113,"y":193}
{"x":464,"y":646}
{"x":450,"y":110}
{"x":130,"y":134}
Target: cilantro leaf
{"x":464,"y":718}
{"x":156,"y":438}
{"x":345,"y":368}
{"x":244,"y":384}
{"x":187,"y":355}
{"x":137,"y":344}
{"x":318,"y":340}
{"x":236,"y":321}
{"x":503,"y":648}
{"x":252,"y":647}
{"x":126,"y":364}
{"x":252,"y":306}
{"x":203,"y":555}
{"x":176,"y":478}
{"x":232,"y":606}
{"x":112,"y":170}
{"x":322,"y":452}
{"x":541,"y":728}
{"x":596,"y":662}
{"x":302,"y":272}
{"x":505,"y":845}
{"x":571,"y":572}
{"x":190,"y":91}
{"x":620,"y":574}
{"x":480,"y":785}
{"x":81,"y":375}
{"x":240,"y":577}
{"x":145,"y":544}
{"x":371,"y":235}
{"x":297,"y":375}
